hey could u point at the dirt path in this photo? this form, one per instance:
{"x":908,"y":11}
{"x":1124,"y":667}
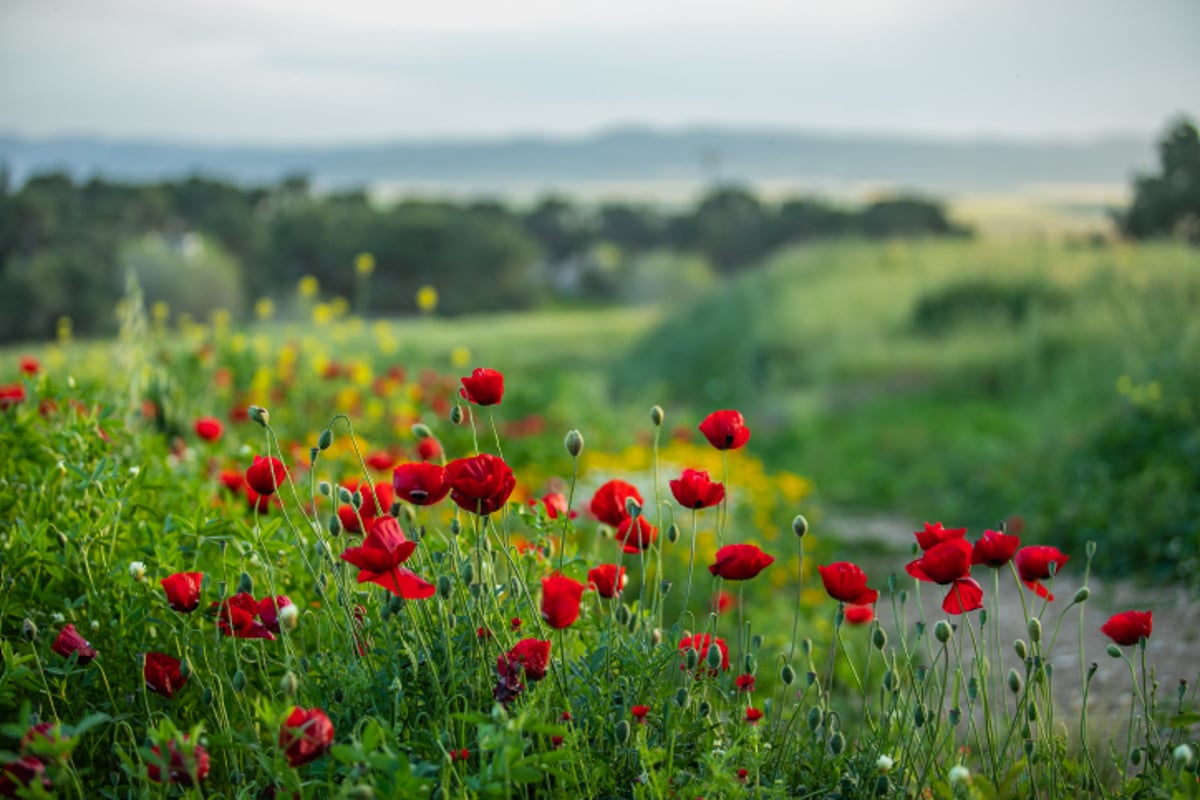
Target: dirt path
{"x":1173,"y":650}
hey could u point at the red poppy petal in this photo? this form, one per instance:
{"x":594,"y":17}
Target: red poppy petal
{"x":965,"y":595}
{"x":400,"y":582}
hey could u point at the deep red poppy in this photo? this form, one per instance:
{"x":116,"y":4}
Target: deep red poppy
{"x":560,"y":600}
{"x":694,"y":489}
{"x":608,"y":580}
{"x":162,"y":674}
{"x":636,"y":537}
{"x":429,"y":449}
{"x":233,"y":480}
{"x":306,"y":735}
{"x":379,"y":558}
{"x":948,"y":563}
{"x":480,"y":484}
{"x":265,"y":475}
{"x":30,"y":365}
{"x":847,"y":582}
{"x":995,"y":549}
{"x":381,"y":460}
{"x":69,"y":641}
{"x":209,"y":428}
{"x":268,"y":611}
{"x":935,"y":533}
{"x":740,"y":562}
{"x":484,"y":387}
{"x":22,"y":774}
{"x":1033,"y":565}
{"x":608,"y":503}
{"x":183,"y":590}
{"x":531,"y":656}
{"x":725,"y":430}
{"x":1128,"y":627}
{"x":420,"y":483}
{"x":859,"y":615}
{"x":375,"y":503}
{"x":11,"y":395}
{"x":186,"y":766}
{"x":753,"y":715}
{"x":639,"y":713}
{"x":555,"y":504}
{"x":701,"y":642}
{"x":237,"y":616}
{"x":744,"y":683}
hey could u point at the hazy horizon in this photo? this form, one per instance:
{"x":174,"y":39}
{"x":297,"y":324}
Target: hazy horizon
{"x":361,"y":72}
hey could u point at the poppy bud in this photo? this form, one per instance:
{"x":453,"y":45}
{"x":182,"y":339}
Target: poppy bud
{"x":879,"y":638}
{"x":324,"y":488}
{"x":656,"y":415}
{"x":713,"y":659}
{"x":973,"y":687}
{"x":882,"y":784}
{"x":837,"y":743}
{"x":806,"y":646}
{"x":335,"y":525}
{"x":574,"y":443}
{"x":1014,"y":681}
{"x":344,"y":495}
{"x":239,"y":681}
{"x":444,"y":586}
{"x":1035,"y":630}
{"x":1090,"y":549}
{"x":920,"y":715}
{"x":455,"y":526}
{"x":1135,"y":756}
{"x":356,"y":499}
{"x":673,"y":533}
{"x":814,"y":718}
{"x":665,"y":587}
{"x":704,"y":709}
{"x":421,"y":430}
{"x":325,"y":439}
{"x":29,"y":629}
{"x":942,"y":631}
{"x":954,"y":716}
{"x":259,"y":415}
{"x":623,"y":615}
{"x":682,"y":698}
{"x":632,"y":507}
{"x":456,"y":415}
{"x":289,"y":684}
{"x":756,"y":642}
{"x":787,"y":675}
{"x":622,"y":731}
{"x":889,"y":680}
{"x":1020,"y":649}
{"x":1114,"y":651}
{"x":206,"y":697}
{"x":1081,"y":595}
{"x":245,"y":584}
{"x":800,"y":526}
{"x":692,"y":659}
{"x":1031,"y":712}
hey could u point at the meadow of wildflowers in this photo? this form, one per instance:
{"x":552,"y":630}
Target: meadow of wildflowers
{"x":243,"y":566}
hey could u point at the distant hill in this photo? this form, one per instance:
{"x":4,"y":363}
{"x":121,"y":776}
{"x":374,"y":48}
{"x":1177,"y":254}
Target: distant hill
{"x":642,"y":155}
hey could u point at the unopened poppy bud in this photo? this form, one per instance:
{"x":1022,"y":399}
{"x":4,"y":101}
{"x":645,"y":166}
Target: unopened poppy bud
{"x":665,"y":587}
{"x":673,"y":533}
{"x":920,"y":715}
{"x":879,"y":638}
{"x":239,"y":681}
{"x":1014,"y":681}
{"x":245,"y":584}
{"x":1091,"y":670}
{"x":713,"y":659}
{"x":954,"y":716}
{"x":973,"y":687}
{"x":289,"y":684}
{"x":623,"y":615}
{"x":837,"y":743}
{"x":799,"y":526}
{"x":748,"y":664}
{"x":919,"y":627}
{"x":421,"y":431}
{"x":289,"y":617}
{"x":787,"y":675}
{"x":335,"y":525}
{"x":325,"y":439}
{"x":704,"y":709}
{"x":806,"y":646}
{"x":456,"y":415}
{"x":1020,"y":648}
{"x":573,"y":441}
{"x":1081,"y":595}
{"x":682,"y":698}
{"x":1035,"y":630}
{"x":889,"y":680}
{"x":656,"y":415}
{"x":259,"y":415}
{"x":28,"y":629}
{"x":324,"y":488}
{"x":1090,"y":549}
{"x":814,"y":718}
{"x":444,"y":586}
{"x":455,"y":526}
{"x":692,"y":659}
{"x":185,"y":668}
{"x":206,"y":697}
{"x":632,"y":507}
{"x":622,"y":731}
{"x":810,"y":678}
{"x":942,"y":631}
{"x":1113,"y":651}
{"x":1031,"y":712}
{"x":344,"y":495}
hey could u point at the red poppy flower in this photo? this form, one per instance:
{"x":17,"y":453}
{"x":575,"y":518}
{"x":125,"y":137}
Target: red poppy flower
{"x":483,"y":633}
{"x":608,"y":580}
{"x":268,"y":611}
{"x":462,"y":754}
{"x":722,"y":602}
{"x":701,"y":642}
{"x":237,"y":616}
{"x":381,"y":460}
{"x":259,"y":503}
{"x":753,"y":715}
{"x":740,"y":562}
{"x":233,"y":480}
{"x":265,"y":475}
{"x":1128,"y":627}
{"x":949,"y":564}
{"x":694,"y":489}
{"x":636,"y":537}
{"x":1033,"y":565}
{"x":725,"y":430}
{"x":639,"y":713}
{"x":847,"y":582}
{"x":306,"y":735}
{"x":69,"y":641}
{"x":481,"y":484}
{"x":528,"y":655}
{"x":185,"y":765}
{"x":934,"y":533}
{"x":162,"y":675}
{"x":995,"y":549}
{"x":560,"y":600}
{"x":30,"y":365}
{"x":379,"y":558}
{"x":744,"y":683}
{"x":484,"y":387}
{"x":555,"y":504}
{"x":608,"y":503}
{"x":209,"y":428}
{"x":183,"y":590}
{"x":419,"y":483}
{"x":429,"y":449}
{"x":375,"y":503}
{"x":11,"y":394}
{"x":859,"y":615}
{"x":23,"y":773}
{"x":514,"y":624}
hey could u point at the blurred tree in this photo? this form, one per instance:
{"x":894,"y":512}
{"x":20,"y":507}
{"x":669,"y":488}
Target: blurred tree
{"x":1168,"y":204}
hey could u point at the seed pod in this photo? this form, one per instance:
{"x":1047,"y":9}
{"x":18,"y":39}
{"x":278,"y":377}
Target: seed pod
{"x":325,"y":439}
{"x":335,"y":525}
{"x":573,"y":441}
{"x":656,"y":416}
{"x":799,"y":526}
{"x":942,"y":631}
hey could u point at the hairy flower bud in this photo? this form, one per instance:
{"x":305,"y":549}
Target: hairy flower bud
{"x":673,"y":533}
{"x":942,"y":631}
{"x":1113,"y":651}
{"x":1035,"y":630}
{"x":879,"y":638}
{"x":456,"y":415}
{"x":325,"y":439}
{"x":1014,"y":681}
{"x":787,"y":675}
{"x":656,"y":415}
{"x":1081,"y":595}
{"x":324,"y":488}
{"x":799,"y":525}
{"x":259,"y":415}
{"x":573,"y":441}
{"x":837,"y":743}
{"x":289,"y":684}
{"x":421,"y":430}
{"x":1021,"y":649}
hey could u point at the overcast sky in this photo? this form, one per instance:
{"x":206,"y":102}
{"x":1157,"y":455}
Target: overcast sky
{"x":298,"y":71}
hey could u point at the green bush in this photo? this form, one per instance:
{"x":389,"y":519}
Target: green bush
{"x":192,"y":274}
{"x":984,"y":300}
